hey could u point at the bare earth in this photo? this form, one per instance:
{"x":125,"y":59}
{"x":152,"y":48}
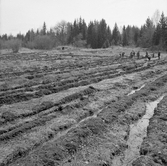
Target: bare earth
{"x":82,"y":107}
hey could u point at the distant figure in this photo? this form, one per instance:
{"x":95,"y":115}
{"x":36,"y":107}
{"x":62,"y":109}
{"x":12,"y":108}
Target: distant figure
{"x":138,"y":54}
{"x":153,"y":55}
{"x":159,"y":54}
{"x":132,"y":54}
{"x":147,"y":56}
{"x":123,"y":54}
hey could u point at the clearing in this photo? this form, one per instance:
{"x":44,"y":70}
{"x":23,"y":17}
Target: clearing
{"x":82,"y":107}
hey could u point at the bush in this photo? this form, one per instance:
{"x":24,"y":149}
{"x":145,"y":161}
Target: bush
{"x":43,"y":106}
{"x":106,"y":44}
{"x":80,"y":43}
{"x":1,"y":44}
{"x":8,"y":116}
{"x":14,"y":44}
{"x":30,"y":44}
{"x":43,"y":42}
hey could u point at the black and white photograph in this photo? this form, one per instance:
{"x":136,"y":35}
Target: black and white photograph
{"x":83,"y":82}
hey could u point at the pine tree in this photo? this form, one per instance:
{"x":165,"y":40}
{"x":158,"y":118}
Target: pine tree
{"x":94,"y":43}
{"x":109,"y":35}
{"x":84,"y":29}
{"x":37,"y":32}
{"x":136,"y":35}
{"x":163,"y":27}
{"x":90,"y":34}
{"x":32,"y":35}
{"x":147,"y":33}
{"x":27,"y":37}
{"x":124,"y":37}
{"x":165,"y":33}
{"x":44,"y":29}
{"x":70,"y":34}
{"x":115,"y":35}
{"x":102,"y":33}
{"x":157,"y":35}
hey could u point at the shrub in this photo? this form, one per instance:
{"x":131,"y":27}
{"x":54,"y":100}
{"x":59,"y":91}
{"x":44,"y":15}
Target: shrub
{"x":43,"y":106}
{"x":4,"y":44}
{"x":14,"y":44}
{"x":8,"y":116}
{"x":80,"y":43}
{"x":1,"y":44}
{"x":43,"y":42}
{"x":106,"y":44}
{"x":30,"y":44}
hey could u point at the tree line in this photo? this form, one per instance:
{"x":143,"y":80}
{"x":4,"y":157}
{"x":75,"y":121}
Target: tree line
{"x":97,"y":34}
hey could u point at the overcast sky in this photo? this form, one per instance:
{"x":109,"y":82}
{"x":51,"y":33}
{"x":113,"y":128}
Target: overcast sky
{"x":21,"y":15}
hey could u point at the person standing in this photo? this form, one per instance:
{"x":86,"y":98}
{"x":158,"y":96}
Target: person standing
{"x":138,"y":54}
{"x":147,"y":56}
{"x":153,"y":55}
{"x":159,"y":54}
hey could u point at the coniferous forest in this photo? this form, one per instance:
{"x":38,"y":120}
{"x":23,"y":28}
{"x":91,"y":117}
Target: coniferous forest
{"x":96,"y":34}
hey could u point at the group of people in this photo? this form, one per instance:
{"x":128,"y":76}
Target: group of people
{"x":153,"y":55}
{"x":122,"y":54}
{"x":147,"y":56}
{"x":132,"y":54}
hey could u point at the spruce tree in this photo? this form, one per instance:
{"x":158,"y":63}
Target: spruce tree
{"x":124,"y":37}
{"x":163,"y":27}
{"x":43,"y":31}
{"x":147,"y":33}
{"x":157,"y":35}
{"x":115,"y":35}
{"x":90,"y":34}
{"x":102,"y":33}
{"x":109,"y":35}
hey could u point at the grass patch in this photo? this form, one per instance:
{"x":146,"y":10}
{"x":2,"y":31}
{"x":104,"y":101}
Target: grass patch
{"x":43,"y":106}
{"x":8,"y":116}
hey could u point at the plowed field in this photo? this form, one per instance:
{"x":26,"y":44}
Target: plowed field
{"x":77,"y":107}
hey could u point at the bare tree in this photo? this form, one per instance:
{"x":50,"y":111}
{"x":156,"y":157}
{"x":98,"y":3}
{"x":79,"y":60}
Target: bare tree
{"x":155,"y":18}
{"x":60,"y":30}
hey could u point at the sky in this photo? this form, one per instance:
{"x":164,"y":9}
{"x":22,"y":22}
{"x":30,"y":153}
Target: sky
{"x":19,"y":16}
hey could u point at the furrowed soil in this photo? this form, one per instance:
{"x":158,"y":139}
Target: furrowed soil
{"x":83,"y":107}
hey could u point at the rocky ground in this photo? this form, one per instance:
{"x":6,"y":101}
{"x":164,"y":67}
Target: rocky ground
{"x":80,"y":106}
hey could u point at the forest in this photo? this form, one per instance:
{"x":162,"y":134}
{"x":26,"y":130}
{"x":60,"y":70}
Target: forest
{"x":96,"y":34}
